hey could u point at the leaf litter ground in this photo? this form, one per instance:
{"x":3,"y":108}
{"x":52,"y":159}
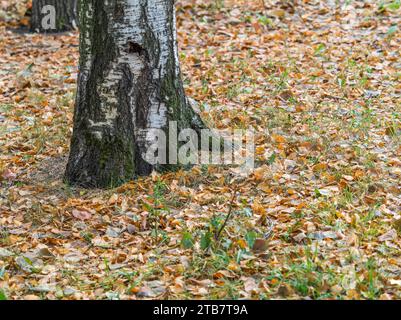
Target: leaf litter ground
{"x":320,"y":216}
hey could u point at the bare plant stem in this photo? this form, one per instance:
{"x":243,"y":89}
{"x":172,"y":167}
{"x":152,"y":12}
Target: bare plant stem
{"x":230,"y":211}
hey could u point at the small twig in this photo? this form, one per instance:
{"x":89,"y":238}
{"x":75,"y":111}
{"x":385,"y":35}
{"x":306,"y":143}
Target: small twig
{"x":230,"y":211}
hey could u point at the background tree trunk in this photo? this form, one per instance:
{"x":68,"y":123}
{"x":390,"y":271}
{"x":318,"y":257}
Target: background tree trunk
{"x":129,"y":82}
{"x":66,"y":15}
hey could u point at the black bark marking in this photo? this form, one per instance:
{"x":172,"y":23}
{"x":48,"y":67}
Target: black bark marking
{"x":134,"y":47}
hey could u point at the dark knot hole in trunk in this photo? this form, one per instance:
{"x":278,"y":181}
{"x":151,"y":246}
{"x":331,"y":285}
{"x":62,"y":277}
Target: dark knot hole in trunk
{"x":134,"y":47}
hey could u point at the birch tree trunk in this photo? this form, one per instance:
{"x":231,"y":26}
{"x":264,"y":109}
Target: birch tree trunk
{"x":65,"y":15}
{"x":129,"y":82}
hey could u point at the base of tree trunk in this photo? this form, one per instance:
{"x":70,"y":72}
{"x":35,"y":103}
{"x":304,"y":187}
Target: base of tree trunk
{"x":116,"y":159}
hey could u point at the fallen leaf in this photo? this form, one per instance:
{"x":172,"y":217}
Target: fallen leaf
{"x":260,"y":245}
{"x":388,"y":236}
{"x":81,"y":215}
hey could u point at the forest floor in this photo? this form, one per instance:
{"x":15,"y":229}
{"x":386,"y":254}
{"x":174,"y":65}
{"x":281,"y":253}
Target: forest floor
{"x":318,"y":219}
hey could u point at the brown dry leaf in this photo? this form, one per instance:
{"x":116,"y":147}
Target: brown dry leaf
{"x":388,"y":236}
{"x":258,"y":208}
{"x":278,"y":138}
{"x":81,"y":214}
{"x":222,"y":274}
{"x":265,"y":187}
{"x":250,"y":285}
{"x":285,"y":291}
{"x":260,"y":172}
{"x":260,"y":245}
{"x":7,"y":174}
{"x":179,"y":286}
